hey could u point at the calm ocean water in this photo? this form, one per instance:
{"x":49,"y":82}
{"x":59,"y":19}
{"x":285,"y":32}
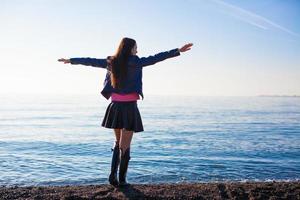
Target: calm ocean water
{"x":58,"y":140}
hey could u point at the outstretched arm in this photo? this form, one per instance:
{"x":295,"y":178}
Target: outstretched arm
{"x":150,"y":60}
{"x":94,"y":62}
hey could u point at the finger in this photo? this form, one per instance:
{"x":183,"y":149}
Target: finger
{"x":187,"y":49}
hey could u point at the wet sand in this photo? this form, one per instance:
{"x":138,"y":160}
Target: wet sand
{"x":217,"y":190}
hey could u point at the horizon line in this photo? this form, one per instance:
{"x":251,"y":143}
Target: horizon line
{"x":152,"y":94}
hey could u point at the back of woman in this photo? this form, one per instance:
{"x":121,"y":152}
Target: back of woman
{"x":123,"y":84}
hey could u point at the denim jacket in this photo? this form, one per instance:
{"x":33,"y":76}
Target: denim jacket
{"x":133,"y":82}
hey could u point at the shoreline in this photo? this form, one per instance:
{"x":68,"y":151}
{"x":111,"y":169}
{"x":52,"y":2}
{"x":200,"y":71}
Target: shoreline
{"x":214,"y":190}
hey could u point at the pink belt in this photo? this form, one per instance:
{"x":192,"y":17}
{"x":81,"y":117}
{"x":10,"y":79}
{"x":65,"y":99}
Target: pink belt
{"x":125,"y":97}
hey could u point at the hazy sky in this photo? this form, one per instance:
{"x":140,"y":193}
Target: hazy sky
{"x":241,"y":48}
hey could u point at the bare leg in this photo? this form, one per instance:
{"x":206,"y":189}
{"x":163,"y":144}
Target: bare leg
{"x":118,"y":136}
{"x":125,"y":140}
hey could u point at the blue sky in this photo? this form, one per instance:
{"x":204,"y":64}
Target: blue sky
{"x":241,"y":48}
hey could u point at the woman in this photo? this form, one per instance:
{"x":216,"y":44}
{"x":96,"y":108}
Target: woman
{"x":123,"y":84}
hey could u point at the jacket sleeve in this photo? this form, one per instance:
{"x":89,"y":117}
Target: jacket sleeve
{"x":151,"y":60}
{"x":94,"y":62}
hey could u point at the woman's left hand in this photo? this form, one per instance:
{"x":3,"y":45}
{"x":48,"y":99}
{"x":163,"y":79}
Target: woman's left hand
{"x":66,"y":61}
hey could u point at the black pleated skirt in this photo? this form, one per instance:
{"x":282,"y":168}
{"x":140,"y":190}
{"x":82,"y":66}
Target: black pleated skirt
{"x":125,"y":115}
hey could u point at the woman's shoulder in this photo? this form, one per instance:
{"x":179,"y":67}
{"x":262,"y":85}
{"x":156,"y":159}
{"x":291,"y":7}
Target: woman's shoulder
{"x":133,"y":60}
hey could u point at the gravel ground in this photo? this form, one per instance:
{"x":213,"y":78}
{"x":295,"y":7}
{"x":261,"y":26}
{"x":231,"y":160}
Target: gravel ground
{"x":226,"y":190}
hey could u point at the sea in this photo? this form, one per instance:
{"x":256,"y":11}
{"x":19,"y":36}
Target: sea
{"x":58,"y":140}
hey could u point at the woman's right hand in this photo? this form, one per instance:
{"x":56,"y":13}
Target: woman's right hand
{"x":186,"y":47}
{"x":66,"y":61}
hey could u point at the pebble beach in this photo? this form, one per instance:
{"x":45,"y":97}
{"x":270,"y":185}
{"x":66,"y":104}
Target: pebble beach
{"x":217,"y":190}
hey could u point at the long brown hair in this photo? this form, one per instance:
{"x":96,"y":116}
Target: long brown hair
{"x":118,"y":62}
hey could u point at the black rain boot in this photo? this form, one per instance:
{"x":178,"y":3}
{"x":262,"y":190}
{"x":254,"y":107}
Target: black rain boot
{"x":124,"y":160}
{"x":113,"y":180}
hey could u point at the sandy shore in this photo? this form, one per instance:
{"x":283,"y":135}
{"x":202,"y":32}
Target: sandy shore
{"x":228,"y":190}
